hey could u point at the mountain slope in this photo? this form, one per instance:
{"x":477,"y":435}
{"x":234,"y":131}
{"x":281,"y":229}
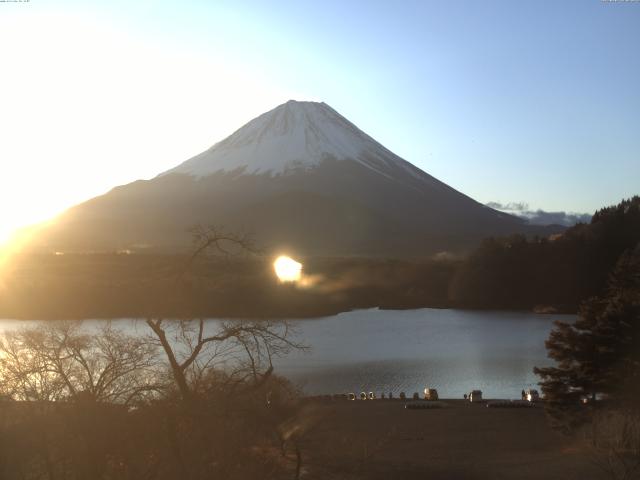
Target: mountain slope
{"x":300,"y":177}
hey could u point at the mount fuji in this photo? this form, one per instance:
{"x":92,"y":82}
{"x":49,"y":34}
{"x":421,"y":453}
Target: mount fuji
{"x":294,"y":136}
{"x":302,"y":179}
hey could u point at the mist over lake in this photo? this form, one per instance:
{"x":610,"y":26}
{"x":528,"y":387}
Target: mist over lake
{"x":386,"y":351}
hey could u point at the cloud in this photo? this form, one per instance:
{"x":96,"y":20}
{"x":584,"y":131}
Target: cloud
{"x":540,"y":217}
{"x":509,"y":207}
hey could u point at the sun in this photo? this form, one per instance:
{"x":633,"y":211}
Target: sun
{"x":287,"y":269}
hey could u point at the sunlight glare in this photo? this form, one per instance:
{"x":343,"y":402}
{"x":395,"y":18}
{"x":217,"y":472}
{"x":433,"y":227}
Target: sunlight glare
{"x":287,"y":269}
{"x":114,"y":102}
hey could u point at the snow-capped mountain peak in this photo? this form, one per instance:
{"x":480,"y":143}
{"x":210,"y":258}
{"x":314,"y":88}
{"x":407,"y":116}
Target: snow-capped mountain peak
{"x":295,"y":135}
{"x":301,"y":178}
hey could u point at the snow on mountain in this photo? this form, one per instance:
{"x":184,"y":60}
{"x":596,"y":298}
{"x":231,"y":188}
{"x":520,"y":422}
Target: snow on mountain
{"x":293,"y":136}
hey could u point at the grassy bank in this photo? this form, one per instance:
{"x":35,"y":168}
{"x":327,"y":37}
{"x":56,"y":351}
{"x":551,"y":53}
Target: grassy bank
{"x":381,"y":440}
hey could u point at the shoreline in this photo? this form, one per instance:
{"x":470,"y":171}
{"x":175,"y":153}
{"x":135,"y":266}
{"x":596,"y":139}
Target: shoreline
{"x":280,"y":318}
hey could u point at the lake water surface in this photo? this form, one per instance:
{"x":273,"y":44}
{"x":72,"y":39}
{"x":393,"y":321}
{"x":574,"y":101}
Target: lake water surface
{"x":386,"y":351}
{"x":454,"y":351}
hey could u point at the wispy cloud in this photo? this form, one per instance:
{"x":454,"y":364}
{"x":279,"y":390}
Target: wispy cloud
{"x":540,"y":217}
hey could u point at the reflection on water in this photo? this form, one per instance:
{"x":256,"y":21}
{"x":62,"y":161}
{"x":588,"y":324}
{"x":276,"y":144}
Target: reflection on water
{"x":454,"y":351}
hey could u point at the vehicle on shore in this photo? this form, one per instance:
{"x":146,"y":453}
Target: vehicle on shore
{"x":531,"y":395}
{"x":430,"y":394}
{"x":475,"y":396}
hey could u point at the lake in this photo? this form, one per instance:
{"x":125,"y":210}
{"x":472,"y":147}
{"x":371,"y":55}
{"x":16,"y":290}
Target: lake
{"x":454,"y":351}
{"x":386,"y":351}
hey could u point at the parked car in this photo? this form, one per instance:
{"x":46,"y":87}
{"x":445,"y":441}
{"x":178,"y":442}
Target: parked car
{"x":372,"y":396}
{"x":351,"y":396}
{"x":363,"y":396}
{"x":475,"y":396}
{"x":430,"y":394}
{"x":531,"y":395}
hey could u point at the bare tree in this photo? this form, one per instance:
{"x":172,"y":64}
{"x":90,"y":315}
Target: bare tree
{"x":61,"y":360}
{"x":244,"y":349}
{"x":216,"y":240}
{"x":204,"y":361}
{"x":23,"y":373}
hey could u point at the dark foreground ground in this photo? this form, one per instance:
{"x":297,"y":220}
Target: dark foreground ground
{"x":381,"y":440}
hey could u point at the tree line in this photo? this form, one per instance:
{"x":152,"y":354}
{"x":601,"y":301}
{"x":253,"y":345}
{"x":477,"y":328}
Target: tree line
{"x":517,"y":272}
{"x":593,"y":389}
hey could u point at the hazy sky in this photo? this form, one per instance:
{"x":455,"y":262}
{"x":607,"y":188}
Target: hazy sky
{"x":535,"y":102}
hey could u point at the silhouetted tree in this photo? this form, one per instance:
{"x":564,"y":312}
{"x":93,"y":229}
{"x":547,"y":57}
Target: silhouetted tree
{"x":245,"y":349}
{"x":212,"y":365}
{"x":599,"y":354}
{"x":192,"y":399}
{"x":63,"y":361}
{"x":562,"y":271}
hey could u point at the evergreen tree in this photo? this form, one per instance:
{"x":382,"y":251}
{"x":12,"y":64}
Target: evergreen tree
{"x":597,"y":356}
{"x":521,"y":273}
